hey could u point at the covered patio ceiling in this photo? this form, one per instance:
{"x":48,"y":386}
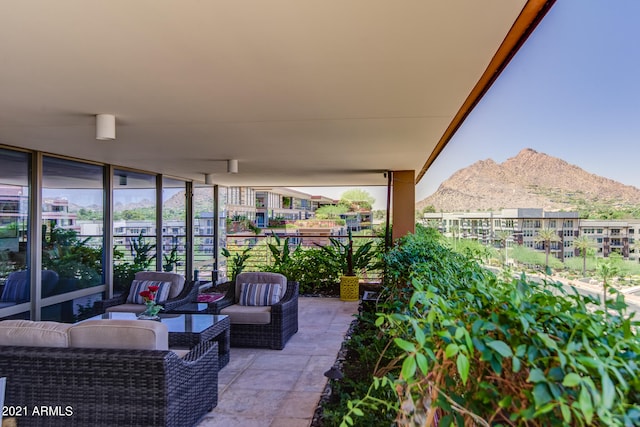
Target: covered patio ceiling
{"x":299,"y":92}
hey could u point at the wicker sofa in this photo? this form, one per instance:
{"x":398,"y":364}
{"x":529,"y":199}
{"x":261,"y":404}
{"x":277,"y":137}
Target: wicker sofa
{"x":269,"y":325}
{"x":59,"y":368}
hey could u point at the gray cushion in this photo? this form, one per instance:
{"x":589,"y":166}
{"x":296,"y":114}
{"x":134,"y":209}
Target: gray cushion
{"x":177,"y":280}
{"x":248,"y":315}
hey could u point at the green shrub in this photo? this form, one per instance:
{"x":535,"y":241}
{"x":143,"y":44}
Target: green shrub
{"x":479,"y":350}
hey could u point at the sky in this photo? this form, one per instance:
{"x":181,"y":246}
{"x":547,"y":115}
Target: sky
{"x":572,"y":91}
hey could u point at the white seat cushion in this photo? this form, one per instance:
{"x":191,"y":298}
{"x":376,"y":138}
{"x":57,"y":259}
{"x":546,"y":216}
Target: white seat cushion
{"x":127,"y":308}
{"x":34,"y":334}
{"x":122,"y":334}
{"x":248,"y":315}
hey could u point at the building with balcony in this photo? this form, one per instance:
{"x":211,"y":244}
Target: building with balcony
{"x":612,"y":236}
{"x":608,"y":236}
{"x":522,"y":223}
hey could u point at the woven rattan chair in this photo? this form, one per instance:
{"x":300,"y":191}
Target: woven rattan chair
{"x":185,"y":293}
{"x":277,"y":322}
{"x":111,"y":387}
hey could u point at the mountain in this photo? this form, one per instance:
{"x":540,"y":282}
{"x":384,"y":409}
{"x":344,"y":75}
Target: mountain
{"x":528,"y":180}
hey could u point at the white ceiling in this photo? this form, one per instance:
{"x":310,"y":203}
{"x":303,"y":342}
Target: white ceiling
{"x":301,"y":92}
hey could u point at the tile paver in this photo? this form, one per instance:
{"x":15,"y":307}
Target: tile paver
{"x":281,"y":388}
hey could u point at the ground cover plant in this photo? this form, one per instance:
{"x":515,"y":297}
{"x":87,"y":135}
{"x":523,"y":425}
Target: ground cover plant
{"x":459,"y":346}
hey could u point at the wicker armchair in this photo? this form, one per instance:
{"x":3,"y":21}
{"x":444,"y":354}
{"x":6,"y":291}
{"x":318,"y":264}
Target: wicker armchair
{"x":275,"y":323}
{"x":181,"y":293}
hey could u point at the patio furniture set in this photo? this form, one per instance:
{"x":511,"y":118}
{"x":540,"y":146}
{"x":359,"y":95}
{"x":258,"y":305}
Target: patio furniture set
{"x":114,"y":369}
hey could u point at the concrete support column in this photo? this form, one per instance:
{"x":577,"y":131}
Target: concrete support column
{"x":404,"y":203}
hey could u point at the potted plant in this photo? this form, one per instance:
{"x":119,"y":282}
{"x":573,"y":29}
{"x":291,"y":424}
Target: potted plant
{"x":349,"y":282}
{"x":170,"y":260}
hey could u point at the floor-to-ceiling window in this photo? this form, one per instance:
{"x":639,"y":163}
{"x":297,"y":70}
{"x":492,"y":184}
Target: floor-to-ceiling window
{"x":72,"y":235}
{"x":222,"y":217}
{"x":14,"y":242}
{"x":55,"y":239}
{"x":204,"y":244}
{"x":134,"y":226}
{"x":174,"y":222}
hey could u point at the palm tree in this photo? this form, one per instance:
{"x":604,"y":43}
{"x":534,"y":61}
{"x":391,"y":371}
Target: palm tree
{"x":606,"y":271}
{"x":583,"y":243}
{"x":546,"y":236}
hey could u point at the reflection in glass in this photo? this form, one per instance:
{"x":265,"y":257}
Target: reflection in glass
{"x":134,"y":226}
{"x":203,"y":232}
{"x":174,"y":214}
{"x":82,"y":309}
{"x":72,"y":225}
{"x":14,"y":207}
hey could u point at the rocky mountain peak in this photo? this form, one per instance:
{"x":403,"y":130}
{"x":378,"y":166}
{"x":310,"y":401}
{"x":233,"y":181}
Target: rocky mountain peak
{"x":530,"y":179}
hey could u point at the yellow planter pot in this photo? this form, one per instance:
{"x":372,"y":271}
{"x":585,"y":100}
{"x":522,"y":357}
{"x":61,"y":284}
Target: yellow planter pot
{"x":349,"y":288}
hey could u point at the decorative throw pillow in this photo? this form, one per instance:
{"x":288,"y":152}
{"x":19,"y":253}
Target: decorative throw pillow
{"x":259,"y":293}
{"x":138,"y":286}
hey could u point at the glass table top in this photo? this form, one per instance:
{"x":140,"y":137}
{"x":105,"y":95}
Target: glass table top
{"x":175,"y":322}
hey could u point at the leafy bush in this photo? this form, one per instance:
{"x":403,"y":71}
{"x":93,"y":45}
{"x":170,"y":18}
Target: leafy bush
{"x":315,"y":272}
{"x":362,"y":353}
{"x":318,"y":270}
{"x":72,"y":258}
{"x":478,"y":350}
{"x":237,"y":260}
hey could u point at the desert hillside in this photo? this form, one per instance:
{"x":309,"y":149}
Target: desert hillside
{"x":528,"y":180}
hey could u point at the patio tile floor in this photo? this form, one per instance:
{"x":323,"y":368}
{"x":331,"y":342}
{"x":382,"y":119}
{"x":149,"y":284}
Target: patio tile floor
{"x":281,"y":388}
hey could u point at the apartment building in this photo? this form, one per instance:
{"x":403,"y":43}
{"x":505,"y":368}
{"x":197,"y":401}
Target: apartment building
{"x":279,"y":204}
{"x":612,"y":236}
{"x":522,"y":223}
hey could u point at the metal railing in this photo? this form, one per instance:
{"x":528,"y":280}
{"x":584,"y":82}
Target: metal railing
{"x":260,"y":254}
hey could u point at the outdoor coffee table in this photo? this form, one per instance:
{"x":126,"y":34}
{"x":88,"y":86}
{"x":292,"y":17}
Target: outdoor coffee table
{"x":191,"y":308}
{"x":188,"y":330}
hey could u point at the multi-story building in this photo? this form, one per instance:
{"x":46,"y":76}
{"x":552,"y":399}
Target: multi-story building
{"x":612,"y":236}
{"x":55,"y":212}
{"x":241,"y":203}
{"x":609,"y":236}
{"x":274,"y":204}
{"x":523,"y":224}
{"x":356,"y":221}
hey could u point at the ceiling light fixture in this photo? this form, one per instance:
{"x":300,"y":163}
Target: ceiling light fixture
{"x":208,"y":178}
{"x":105,"y":127}
{"x":232,"y":166}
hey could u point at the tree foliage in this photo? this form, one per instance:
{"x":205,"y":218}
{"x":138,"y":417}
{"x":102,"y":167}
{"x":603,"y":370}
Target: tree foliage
{"x":468,"y":348}
{"x":357,"y":199}
{"x":331,"y":211}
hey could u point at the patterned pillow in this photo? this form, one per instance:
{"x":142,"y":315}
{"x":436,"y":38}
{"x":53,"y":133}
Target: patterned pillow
{"x":138,"y":286}
{"x":260,"y":293}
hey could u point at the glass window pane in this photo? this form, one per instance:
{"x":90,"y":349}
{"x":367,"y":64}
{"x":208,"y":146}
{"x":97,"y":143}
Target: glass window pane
{"x":73,"y":224}
{"x":14,"y":207}
{"x":134,"y":226}
{"x":174,"y":214}
{"x":203,"y":231}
